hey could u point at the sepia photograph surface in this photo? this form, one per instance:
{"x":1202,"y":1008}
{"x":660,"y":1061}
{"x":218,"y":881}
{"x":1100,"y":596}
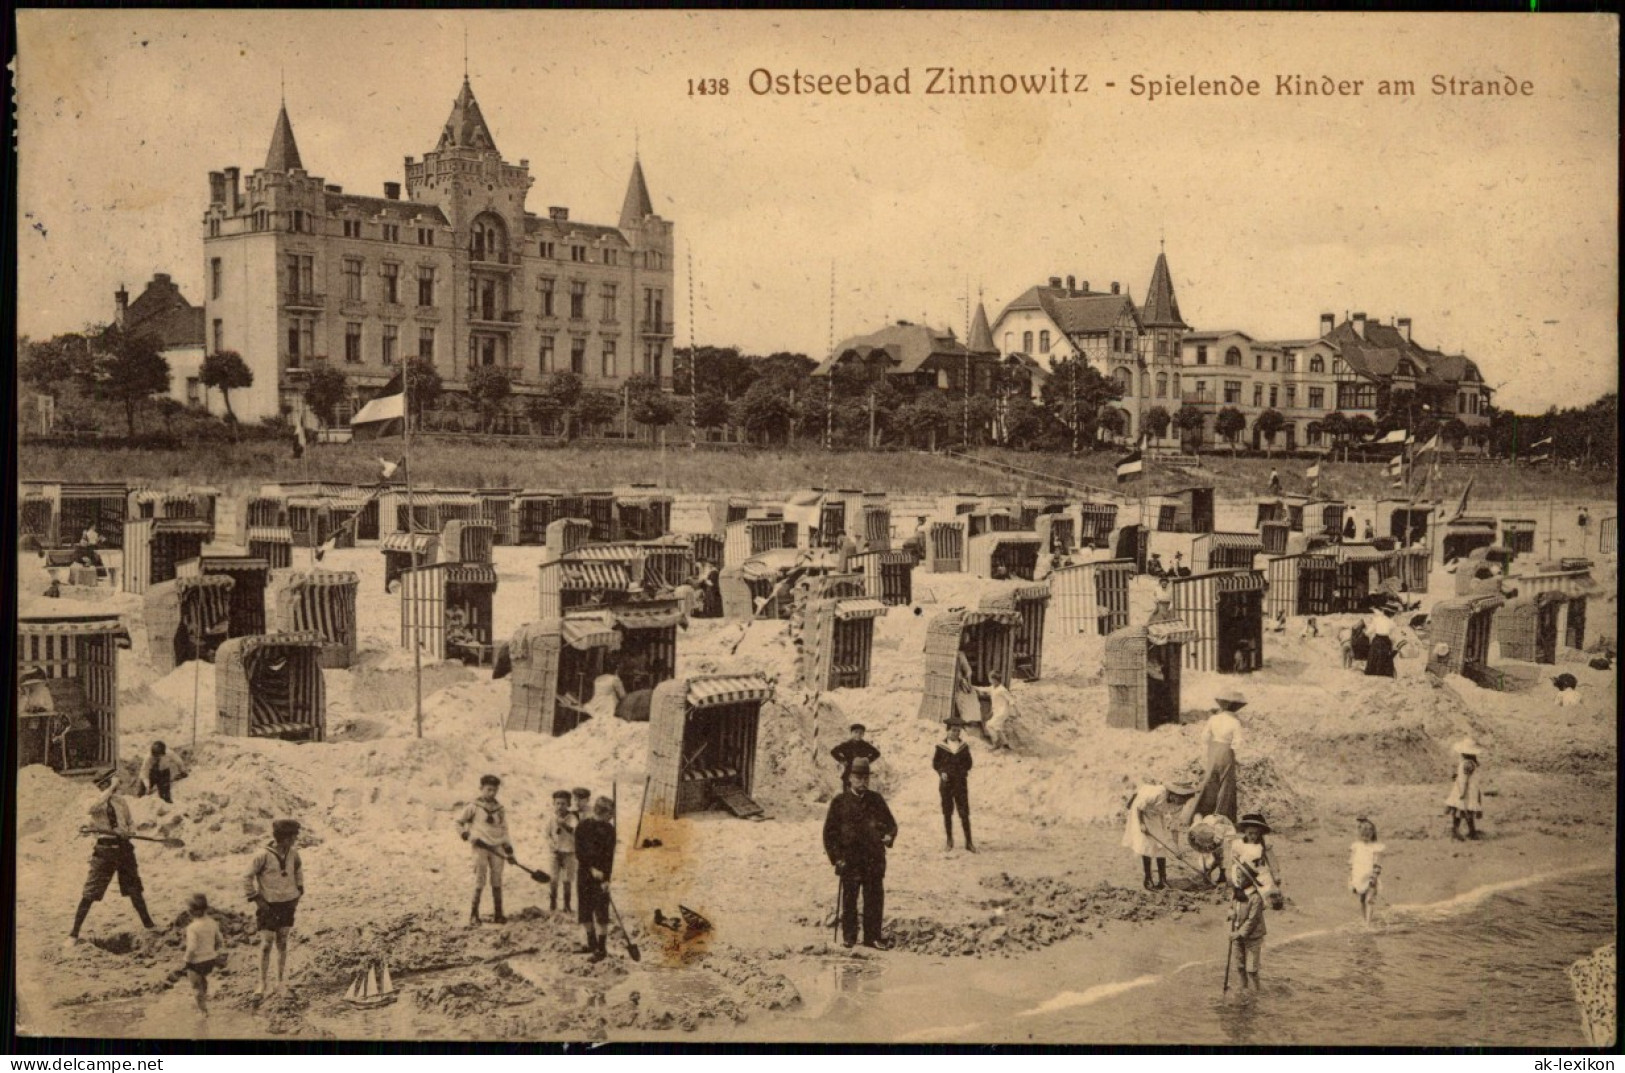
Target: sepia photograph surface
{"x":1080,"y":529}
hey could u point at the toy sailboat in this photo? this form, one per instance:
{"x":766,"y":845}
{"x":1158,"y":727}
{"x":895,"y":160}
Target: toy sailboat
{"x":371,"y":986}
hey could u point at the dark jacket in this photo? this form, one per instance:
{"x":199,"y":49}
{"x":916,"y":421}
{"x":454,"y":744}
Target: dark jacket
{"x":850,"y":750}
{"x":857,"y":829}
{"x":595,"y":848}
{"x":955,"y":765}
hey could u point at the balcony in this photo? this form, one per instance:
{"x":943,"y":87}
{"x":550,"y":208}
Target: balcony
{"x":493,"y":261}
{"x":426,"y":312}
{"x":1198,"y":398}
{"x":494,"y":318}
{"x":656,"y":327}
{"x":304,"y":300}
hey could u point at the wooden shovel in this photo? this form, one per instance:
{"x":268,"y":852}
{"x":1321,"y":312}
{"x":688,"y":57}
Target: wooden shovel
{"x":168,"y":843}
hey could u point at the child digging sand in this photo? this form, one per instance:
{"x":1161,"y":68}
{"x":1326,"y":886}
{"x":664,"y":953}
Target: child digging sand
{"x":1466,"y":800}
{"x":202,"y":949}
{"x":1365,"y":871}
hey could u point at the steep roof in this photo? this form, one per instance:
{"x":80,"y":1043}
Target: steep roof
{"x":906,"y":348}
{"x":1161,"y":309}
{"x":1377,"y":354}
{"x":981,"y":336}
{"x":284,"y":153}
{"x":405,"y":211}
{"x":538,"y":225}
{"x":1075,"y":312}
{"x":162,"y":313}
{"x":465,"y":127}
{"x":637,"y":204}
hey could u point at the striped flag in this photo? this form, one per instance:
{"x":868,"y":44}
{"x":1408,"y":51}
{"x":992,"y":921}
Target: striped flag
{"x":1396,"y":465}
{"x":1130,"y":467}
{"x":1461,"y":508}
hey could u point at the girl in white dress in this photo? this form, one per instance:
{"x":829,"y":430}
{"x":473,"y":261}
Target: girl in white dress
{"x":1365,"y":867}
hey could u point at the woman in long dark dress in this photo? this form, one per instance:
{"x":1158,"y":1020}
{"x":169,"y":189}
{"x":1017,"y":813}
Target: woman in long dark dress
{"x":1379,"y":658}
{"x":1221,"y":735}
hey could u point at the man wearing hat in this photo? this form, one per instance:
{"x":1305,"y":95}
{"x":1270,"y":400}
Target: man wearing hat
{"x":484,"y":826}
{"x":1220,"y":736}
{"x":275,"y":882}
{"x":852,"y":750}
{"x":952,"y":763}
{"x":113,"y":854}
{"x":1154,"y":813}
{"x":857,"y":832}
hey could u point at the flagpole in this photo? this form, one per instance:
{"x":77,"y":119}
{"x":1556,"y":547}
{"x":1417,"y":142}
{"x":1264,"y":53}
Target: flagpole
{"x":412,"y":544}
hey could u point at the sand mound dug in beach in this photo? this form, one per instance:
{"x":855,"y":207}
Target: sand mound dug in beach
{"x":1031,"y":913}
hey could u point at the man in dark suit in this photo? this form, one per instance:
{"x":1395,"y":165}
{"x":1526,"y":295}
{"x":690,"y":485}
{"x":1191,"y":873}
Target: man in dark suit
{"x":857,"y":832}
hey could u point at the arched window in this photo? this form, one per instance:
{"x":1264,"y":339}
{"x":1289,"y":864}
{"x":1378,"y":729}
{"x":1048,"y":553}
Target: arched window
{"x":488,"y":238}
{"x":1317,"y":364}
{"x":1125,"y":380}
{"x":1233,"y":356}
{"x":1043,"y":342}
{"x":1026,"y":342}
{"x":1162,"y":385}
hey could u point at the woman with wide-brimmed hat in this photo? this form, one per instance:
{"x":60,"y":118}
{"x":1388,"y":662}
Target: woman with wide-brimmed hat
{"x":1220,"y":736}
{"x":1155,"y":812}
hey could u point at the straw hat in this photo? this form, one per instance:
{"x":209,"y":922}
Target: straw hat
{"x":1180,"y":787}
{"x":1468,"y":747}
{"x":1231,"y":696}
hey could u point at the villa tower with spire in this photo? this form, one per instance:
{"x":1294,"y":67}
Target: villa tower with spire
{"x":299,"y":273}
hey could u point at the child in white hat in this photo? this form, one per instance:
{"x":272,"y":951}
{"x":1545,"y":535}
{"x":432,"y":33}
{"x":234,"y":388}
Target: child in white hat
{"x":1466,"y":800}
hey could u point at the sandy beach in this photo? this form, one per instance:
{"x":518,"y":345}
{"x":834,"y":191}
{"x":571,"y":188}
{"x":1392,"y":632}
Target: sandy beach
{"x":1049,"y":912}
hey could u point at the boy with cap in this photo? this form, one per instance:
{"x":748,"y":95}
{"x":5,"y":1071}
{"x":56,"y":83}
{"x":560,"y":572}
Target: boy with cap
{"x":952,"y":763}
{"x":1247,"y":929}
{"x":595,"y":861}
{"x":275,"y":882}
{"x":484,"y":826}
{"x":561,"y":842}
{"x":113,"y":854}
{"x":581,"y":804}
{"x":853,"y":749}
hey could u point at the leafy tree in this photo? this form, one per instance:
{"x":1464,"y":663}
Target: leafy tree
{"x":1336,"y":426}
{"x":1361,"y":427}
{"x":48,"y":364}
{"x":723,"y":370}
{"x":1229,"y":423}
{"x":489,"y":387}
{"x":560,"y":392}
{"x":227,"y":371}
{"x":925,"y":419}
{"x":1156,"y":422}
{"x":325,"y":389}
{"x":710,"y":410}
{"x":596,"y":407}
{"x":650,"y":406}
{"x":424,"y":386}
{"x":1269,"y":425}
{"x":1454,"y":432}
{"x":1189,"y":420}
{"x":785,"y":368}
{"x":1112,"y":420}
{"x":124,"y":367}
{"x":764,"y":411}
{"x":1075,"y":394}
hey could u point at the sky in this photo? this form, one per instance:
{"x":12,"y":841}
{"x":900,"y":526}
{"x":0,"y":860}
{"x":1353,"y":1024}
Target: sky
{"x":1492,"y":222}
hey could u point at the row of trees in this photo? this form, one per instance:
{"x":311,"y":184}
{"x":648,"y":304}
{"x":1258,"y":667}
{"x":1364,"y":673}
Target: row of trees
{"x":108,"y":364}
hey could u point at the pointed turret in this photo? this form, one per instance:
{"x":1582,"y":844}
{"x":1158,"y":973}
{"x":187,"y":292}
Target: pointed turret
{"x":284,"y":154}
{"x":465,"y":127}
{"x":637,"y":204}
{"x":1161,"y":310}
{"x":981,"y":335}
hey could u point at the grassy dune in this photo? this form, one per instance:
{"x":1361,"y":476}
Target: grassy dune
{"x":458,"y":463}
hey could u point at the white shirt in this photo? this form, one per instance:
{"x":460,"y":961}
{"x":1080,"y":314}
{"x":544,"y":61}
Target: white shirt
{"x":1224,"y":728}
{"x":607,"y":693}
{"x":202,"y":940}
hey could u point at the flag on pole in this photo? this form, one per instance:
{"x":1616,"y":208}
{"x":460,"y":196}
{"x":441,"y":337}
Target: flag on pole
{"x":1547,"y":442}
{"x":1398,"y":435}
{"x":1130,"y":467}
{"x":1431,"y":445}
{"x":1396,"y":465}
{"x":1540,"y":458}
{"x":389,"y":469}
{"x":1461,"y":508}
{"x":1313,"y":472}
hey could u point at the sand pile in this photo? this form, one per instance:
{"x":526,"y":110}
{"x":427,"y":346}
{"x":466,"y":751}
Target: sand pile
{"x":242,"y":785}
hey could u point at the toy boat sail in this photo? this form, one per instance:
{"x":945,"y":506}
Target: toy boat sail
{"x":371,"y":987}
